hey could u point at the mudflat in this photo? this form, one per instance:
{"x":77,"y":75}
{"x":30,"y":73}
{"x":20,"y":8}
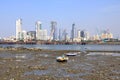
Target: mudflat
{"x":42,"y":65}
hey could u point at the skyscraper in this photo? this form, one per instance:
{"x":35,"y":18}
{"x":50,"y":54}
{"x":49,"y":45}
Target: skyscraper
{"x":64,"y":35}
{"x":18,"y":29}
{"x":40,"y":34}
{"x":73,"y":32}
{"x":82,"y":34}
{"x":60,"y":35}
{"x":79,"y":33}
{"x":38,"y":25}
{"x":53,"y":30}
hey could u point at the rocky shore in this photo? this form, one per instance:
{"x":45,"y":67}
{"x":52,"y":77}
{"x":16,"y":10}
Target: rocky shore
{"x":37,"y":64}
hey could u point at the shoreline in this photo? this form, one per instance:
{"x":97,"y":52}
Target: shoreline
{"x":33,"y":49}
{"x":62,"y":43}
{"x":10,"y":48}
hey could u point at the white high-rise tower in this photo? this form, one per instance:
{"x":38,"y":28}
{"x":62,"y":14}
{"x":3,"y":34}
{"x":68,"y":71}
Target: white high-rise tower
{"x":40,"y":33}
{"x":18,"y":29}
{"x":38,"y":25}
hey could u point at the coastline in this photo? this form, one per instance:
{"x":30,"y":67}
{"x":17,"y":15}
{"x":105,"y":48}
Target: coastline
{"x":10,"y":48}
{"x":62,"y":42}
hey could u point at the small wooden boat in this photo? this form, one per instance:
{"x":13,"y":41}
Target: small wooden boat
{"x":62,"y":59}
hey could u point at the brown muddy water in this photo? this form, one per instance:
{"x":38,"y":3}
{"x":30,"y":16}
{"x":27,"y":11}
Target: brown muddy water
{"x":42,"y":65}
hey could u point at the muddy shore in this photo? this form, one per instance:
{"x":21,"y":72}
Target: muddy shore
{"x":38,"y":64}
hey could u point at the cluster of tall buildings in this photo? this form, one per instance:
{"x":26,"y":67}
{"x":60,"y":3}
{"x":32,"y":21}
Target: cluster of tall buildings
{"x":104,"y":35}
{"x":38,"y":34}
{"x":56,"y":34}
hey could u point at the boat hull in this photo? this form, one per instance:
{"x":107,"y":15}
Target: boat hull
{"x":62,"y":59}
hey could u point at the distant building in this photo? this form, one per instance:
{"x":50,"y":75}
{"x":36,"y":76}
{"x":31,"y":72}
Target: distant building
{"x":64,"y":35}
{"x":42,"y":35}
{"x":106,"y":35}
{"x":10,"y":38}
{"x":78,"y":34}
{"x":24,"y":35}
{"x":78,"y":38}
{"x":31,"y":35}
{"x":60,"y":35}
{"x":53,"y":33}
{"x":87,"y":35}
{"x":73,"y":32}
{"x":110,"y":35}
{"x":96,"y":37}
{"x":38,"y":25}
{"x":19,"y":29}
{"x":82,"y":34}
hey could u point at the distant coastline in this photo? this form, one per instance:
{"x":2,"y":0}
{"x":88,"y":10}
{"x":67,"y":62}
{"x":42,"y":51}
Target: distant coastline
{"x":17,"y":49}
{"x":62,"y":42}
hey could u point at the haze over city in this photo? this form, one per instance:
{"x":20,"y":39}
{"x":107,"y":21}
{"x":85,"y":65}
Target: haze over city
{"x":91,"y":15}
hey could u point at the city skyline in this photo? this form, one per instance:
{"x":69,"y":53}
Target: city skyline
{"x":93,"y":16}
{"x":76,"y":35}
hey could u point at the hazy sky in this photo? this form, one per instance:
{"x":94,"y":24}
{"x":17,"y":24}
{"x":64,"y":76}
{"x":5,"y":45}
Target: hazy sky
{"x":91,"y":15}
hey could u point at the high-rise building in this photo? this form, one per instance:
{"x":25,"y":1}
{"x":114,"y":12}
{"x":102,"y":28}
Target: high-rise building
{"x":87,"y":35}
{"x":78,"y":33}
{"x":84,"y":35}
{"x":24,"y":35}
{"x":18,"y":29}
{"x":64,"y":35}
{"x":73,"y":32}
{"x":40,"y":34}
{"x":53,"y":33}
{"x":60,"y":35}
{"x":38,"y":25}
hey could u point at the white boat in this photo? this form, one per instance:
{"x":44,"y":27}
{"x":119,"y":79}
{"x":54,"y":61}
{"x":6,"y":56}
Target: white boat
{"x":71,"y":54}
{"x":62,"y":58}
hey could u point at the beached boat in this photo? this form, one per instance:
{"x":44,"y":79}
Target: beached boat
{"x":62,"y":59}
{"x":71,"y":54}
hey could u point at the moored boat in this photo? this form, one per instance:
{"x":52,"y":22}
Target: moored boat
{"x":71,"y":54}
{"x":62,"y":59}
